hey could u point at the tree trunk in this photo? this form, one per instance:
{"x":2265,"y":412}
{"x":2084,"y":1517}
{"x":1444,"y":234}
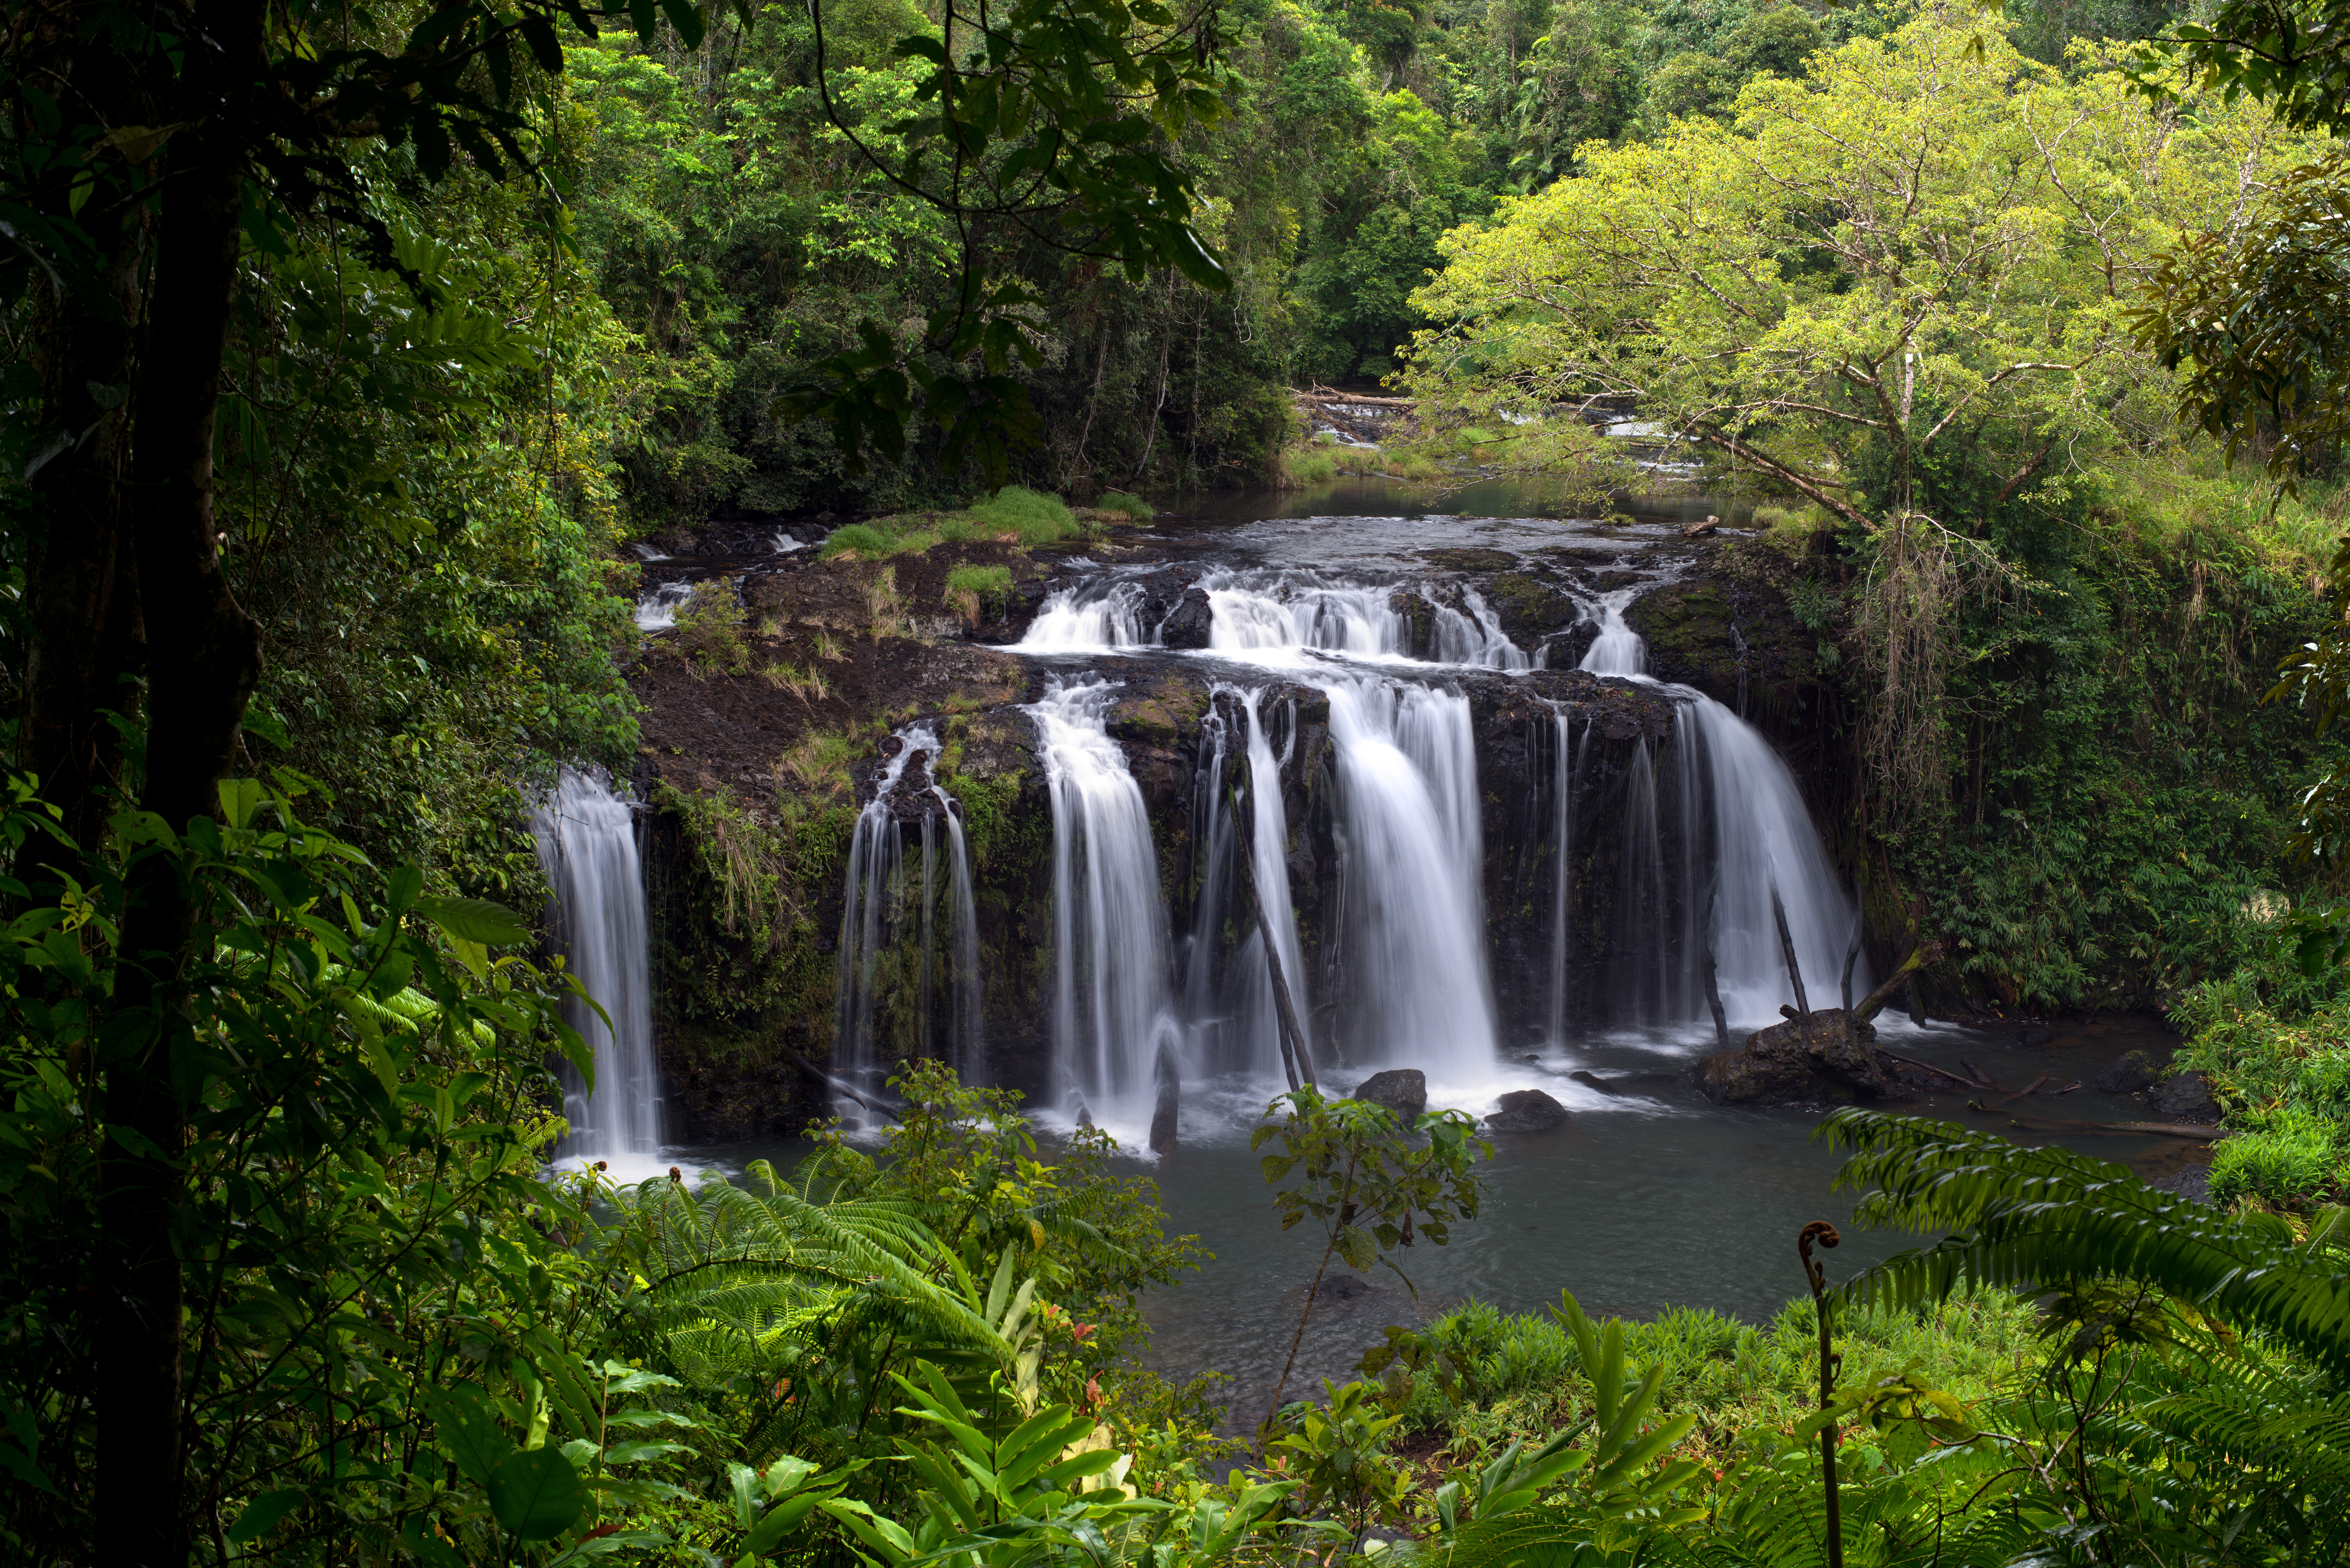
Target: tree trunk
{"x":209,"y":658}
{"x":81,"y":600}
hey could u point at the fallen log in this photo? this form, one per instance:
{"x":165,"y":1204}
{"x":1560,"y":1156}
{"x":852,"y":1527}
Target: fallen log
{"x":2140,"y":1130}
{"x":2006,"y":1100}
{"x":1928,"y":1066}
{"x":837,"y":1086}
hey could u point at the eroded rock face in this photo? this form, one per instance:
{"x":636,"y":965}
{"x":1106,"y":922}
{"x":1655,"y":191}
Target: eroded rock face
{"x":1403,"y":1090}
{"x":1803,"y":1061}
{"x":1526,"y":1110}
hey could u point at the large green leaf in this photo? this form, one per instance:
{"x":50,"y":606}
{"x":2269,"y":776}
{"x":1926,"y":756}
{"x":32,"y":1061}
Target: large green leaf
{"x":476,"y":921}
{"x":536,"y":1493}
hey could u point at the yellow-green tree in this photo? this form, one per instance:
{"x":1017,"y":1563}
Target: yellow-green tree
{"x":1916,"y":260}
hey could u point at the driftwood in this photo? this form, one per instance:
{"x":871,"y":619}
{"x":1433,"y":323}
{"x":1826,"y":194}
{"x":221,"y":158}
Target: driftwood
{"x":2167,"y":1130}
{"x":880,"y":1106}
{"x":1851,"y":957}
{"x":1787,"y":952}
{"x":2031,"y":1088}
{"x":1712,"y":984}
{"x":1920,"y":954}
{"x":1296,"y":1059}
{"x":1928,"y":1066}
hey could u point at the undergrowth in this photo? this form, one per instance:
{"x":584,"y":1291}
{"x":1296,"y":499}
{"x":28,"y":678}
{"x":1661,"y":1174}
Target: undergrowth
{"x":1519,"y":1376}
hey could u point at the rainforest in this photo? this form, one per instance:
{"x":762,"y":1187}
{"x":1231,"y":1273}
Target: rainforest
{"x":1175,"y":783}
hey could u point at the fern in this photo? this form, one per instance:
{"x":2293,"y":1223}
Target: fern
{"x":2046,"y":1217}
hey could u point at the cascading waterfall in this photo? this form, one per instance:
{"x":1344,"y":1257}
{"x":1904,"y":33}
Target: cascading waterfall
{"x":1091,"y":618}
{"x":1412,"y":931}
{"x":657,"y":611}
{"x":1110,"y":998}
{"x":1567,"y":772}
{"x":1759,"y":833}
{"x":586,"y":843}
{"x":1269,"y":850}
{"x":892,"y":973}
{"x":1476,"y":638}
{"x":1299,"y":611}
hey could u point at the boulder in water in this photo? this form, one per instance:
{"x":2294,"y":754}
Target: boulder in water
{"x":2133,"y":1074}
{"x":1403,"y":1090}
{"x":2186,"y":1098}
{"x":1526,"y":1110}
{"x":1189,"y":623}
{"x":1802,"y":1061}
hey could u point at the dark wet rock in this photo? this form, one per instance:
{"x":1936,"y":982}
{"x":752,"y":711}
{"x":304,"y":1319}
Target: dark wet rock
{"x":2193,"y":1181}
{"x":1526,"y":1110}
{"x":1188,"y":624}
{"x":1592,"y":1081}
{"x":2132,"y":1074}
{"x":1803,"y":1061}
{"x":2186,"y":1098}
{"x":1470,"y":560}
{"x":1403,"y":1090}
{"x":2035,"y":1037}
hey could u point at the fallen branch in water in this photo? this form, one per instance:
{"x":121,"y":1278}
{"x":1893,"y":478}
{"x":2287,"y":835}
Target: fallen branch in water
{"x":837,"y":1086}
{"x":2167,"y":1130}
{"x":1928,"y":1066}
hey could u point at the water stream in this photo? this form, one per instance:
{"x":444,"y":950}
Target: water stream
{"x":1110,"y":973}
{"x":587,"y":844}
{"x":908,"y":978}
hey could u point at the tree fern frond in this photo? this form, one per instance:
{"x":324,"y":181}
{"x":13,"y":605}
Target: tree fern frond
{"x":2039,"y":1218}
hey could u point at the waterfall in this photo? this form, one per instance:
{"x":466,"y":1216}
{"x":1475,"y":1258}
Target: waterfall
{"x":1760,"y":832}
{"x":1298,"y":610}
{"x":1110,"y":1001}
{"x":1476,"y":638}
{"x":1415,"y":937}
{"x":1269,"y":849}
{"x":1568,"y":773}
{"x":1092,"y":617}
{"x":587,"y":844}
{"x":657,"y":611}
{"x":891,"y":969}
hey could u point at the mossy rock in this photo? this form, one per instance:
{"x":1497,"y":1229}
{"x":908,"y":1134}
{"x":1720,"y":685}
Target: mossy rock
{"x":1526,"y":603}
{"x":1467,"y":560}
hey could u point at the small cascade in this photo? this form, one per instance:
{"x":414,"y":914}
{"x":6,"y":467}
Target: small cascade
{"x":1414,"y":936}
{"x":900,"y":992}
{"x":586,"y":843}
{"x":1093,"y":617}
{"x":1475,"y":638}
{"x":1759,"y":833}
{"x":657,"y":611}
{"x":1296,"y":611}
{"x":1110,"y":998}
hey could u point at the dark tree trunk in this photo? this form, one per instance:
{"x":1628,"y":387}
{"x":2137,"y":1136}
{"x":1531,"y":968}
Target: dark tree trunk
{"x":207,"y":655}
{"x":81,"y":599}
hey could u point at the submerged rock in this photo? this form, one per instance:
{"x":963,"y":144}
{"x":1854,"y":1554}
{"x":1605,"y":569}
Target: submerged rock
{"x":1802,"y":1061}
{"x":1526,"y":1110}
{"x":1403,"y":1090}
